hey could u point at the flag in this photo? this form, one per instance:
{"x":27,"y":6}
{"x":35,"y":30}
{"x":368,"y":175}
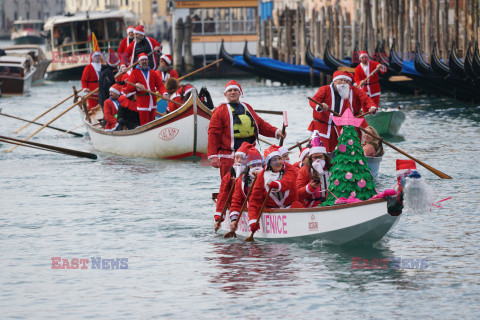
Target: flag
{"x":95,"y":45}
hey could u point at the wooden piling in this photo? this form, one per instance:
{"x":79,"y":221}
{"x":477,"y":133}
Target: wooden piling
{"x":177,"y":52}
{"x":189,"y":63}
{"x":270,"y":38}
{"x":445,"y":31}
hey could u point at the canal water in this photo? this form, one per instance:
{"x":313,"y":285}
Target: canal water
{"x":157,"y":215}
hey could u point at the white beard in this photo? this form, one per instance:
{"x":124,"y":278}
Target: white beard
{"x":343,"y":90}
{"x":418,"y":195}
{"x":239,"y":168}
{"x":318,"y":166}
{"x":97,"y":66}
{"x":270,"y":176}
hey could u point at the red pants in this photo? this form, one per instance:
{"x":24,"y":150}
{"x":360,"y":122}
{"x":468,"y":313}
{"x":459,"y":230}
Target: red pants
{"x":376,"y":99}
{"x":225,"y":165}
{"x":92,"y":103}
{"x":146,"y":116}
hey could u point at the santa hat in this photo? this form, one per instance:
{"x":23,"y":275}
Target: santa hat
{"x":139,"y":29}
{"x":116,"y":88}
{"x":167,"y":58}
{"x":337,"y":75}
{"x":282,"y":150}
{"x":232,"y":84}
{"x":142,"y":56}
{"x":405,"y":166}
{"x":253,"y":156}
{"x":316,"y":145}
{"x":130,"y":29}
{"x":243,"y":150}
{"x":271,"y":152}
{"x":304,"y":153}
{"x":363,"y":54}
{"x":113,"y":59}
{"x":96,"y":53}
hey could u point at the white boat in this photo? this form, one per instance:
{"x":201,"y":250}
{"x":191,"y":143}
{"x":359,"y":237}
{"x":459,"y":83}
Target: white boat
{"x":40,"y":62}
{"x":362,"y":223}
{"x":180,"y":134}
{"x":16,"y":73}
{"x":68,"y":39}
{"x":374,"y":164}
{"x":28,"y":32}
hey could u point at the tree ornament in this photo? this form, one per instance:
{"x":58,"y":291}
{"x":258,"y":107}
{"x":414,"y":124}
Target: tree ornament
{"x":342,"y":148}
{"x":348,"y":175}
{"x":362,"y":183}
{"x":350,"y":142}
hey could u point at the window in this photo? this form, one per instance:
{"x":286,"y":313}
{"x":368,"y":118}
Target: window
{"x":223,"y":21}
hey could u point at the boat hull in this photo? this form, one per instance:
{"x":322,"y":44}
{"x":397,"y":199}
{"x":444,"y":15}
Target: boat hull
{"x":16,"y":86}
{"x":374,"y":165}
{"x":386,"y":122}
{"x":30,"y":39}
{"x":362,"y":223}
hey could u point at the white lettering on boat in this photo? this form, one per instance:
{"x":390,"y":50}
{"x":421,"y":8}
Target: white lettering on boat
{"x":168,"y":133}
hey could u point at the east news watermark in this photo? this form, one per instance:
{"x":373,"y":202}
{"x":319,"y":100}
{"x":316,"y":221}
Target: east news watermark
{"x":94,"y":263}
{"x":360,"y":263}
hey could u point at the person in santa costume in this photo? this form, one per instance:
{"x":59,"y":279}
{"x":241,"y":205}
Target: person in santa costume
{"x":122,"y":48}
{"x":107,"y":77}
{"x":142,"y":44}
{"x":233,"y":123}
{"x":303,"y":158}
{"x":145,"y":78}
{"x":110,"y":108}
{"x":371,"y":86}
{"x":284,"y":153}
{"x":279,"y":176}
{"x":244,"y":183}
{"x":128,"y":117}
{"x":165,"y":70}
{"x":90,"y":78}
{"x":178,"y":93}
{"x":337,"y":96}
{"x":312,"y":179}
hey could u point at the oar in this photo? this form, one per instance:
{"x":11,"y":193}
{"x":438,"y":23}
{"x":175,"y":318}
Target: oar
{"x":269,"y":112}
{"x":369,"y":76}
{"x":71,"y":152}
{"x":156,"y":94}
{"x":232,"y":233}
{"x":363,"y":114}
{"x":201,"y":69}
{"x":224,"y":211}
{"x":250,"y":238}
{"x":71,"y":130}
{"x":28,"y":146}
{"x":285,"y":125}
{"x":431,"y":169}
{"x":40,"y":124}
{"x":44,"y":113}
{"x":265,"y":141}
{"x":298,"y":144}
{"x":399,"y":78}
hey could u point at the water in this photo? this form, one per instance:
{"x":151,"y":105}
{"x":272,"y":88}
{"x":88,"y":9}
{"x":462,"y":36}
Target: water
{"x":158,"y":214}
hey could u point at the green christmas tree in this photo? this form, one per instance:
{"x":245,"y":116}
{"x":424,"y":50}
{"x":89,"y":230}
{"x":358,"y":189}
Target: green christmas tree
{"x":350,"y":174}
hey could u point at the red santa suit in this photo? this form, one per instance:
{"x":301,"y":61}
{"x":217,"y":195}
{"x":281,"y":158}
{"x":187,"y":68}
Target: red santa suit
{"x":165,"y":75}
{"x":122,"y":48}
{"x":146,"y":103}
{"x":90,"y":76}
{"x":306,"y":195}
{"x":179,"y":96}
{"x":130,"y":51}
{"x":372,"y":87}
{"x":358,"y":102}
{"x":110,"y":108}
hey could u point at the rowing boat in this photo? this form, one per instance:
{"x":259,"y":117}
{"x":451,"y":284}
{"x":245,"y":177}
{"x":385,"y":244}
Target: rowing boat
{"x":386,"y":122}
{"x":180,"y":134}
{"x":361,"y":223}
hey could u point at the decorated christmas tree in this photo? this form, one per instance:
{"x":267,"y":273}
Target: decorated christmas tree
{"x":350,"y":174}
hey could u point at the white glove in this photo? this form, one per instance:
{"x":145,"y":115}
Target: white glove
{"x":372,"y":110}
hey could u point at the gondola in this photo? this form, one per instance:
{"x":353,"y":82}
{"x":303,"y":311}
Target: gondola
{"x":395,"y":63}
{"x":456,"y":65}
{"x":332,"y":62}
{"x":315,"y":62}
{"x":476,"y":60}
{"x":380,"y":55}
{"x":234,"y":61}
{"x":437,"y":65}
{"x":468,"y":63}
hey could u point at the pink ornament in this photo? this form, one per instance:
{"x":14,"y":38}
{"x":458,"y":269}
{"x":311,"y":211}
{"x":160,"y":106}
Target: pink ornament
{"x":348,"y":175}
{"x":336,"y":182}
{"x":352,"y":153}
{"x":342,"y":148}
{"x":350,"y":142}
{"x":353,"y":194}
{"x":361,"y":162}
{"x":362,"y":183}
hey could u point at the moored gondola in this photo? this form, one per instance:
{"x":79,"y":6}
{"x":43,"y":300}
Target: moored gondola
{"x":476,"y":60}
{"x":437,"y":65}
{"x":234,"y":61}
{"x":420,"y":64}
{"x":457,"y":69}
{"x":315,"y":62}
{"x":395,"y":63}
{"x":332,"y":62}
{"x":468,"y":63}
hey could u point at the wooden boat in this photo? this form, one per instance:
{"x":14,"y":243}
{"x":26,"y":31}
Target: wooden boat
{"x":476,"y":60}
{"x":28,"y":32}
{"x":16,"y":73}
{"x":234,"y":61}
{"x":374,"y":165}
{"x":40,"y":62}
{"x":178,"y":135}
{"x":386,"y":122}
{"x":468,"y":63}
{"x":362,"y":223}
{"x":395,"y":63}
{"x":438,"y":66}
{"x":456,"y":65}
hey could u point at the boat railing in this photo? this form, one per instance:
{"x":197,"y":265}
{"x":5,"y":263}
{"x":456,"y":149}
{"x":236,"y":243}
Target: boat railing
{"x":82,"y":47}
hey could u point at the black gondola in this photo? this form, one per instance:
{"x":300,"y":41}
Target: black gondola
{"x":456,"y":65}
{"x":236,"y":61}
{"x":437,"y":65}
{"x":476,"y":60}
{"x":468,"y":63}
{"x":420,"y":64}
{"x":314,"y":62}
{"x":332,"y":62}
{"x":395,"y":63}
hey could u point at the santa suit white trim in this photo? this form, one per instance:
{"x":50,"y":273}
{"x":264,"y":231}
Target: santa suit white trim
{"x":147,"y":79}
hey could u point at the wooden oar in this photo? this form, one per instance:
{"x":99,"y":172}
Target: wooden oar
{"x":299,"y":143}
{"x":40,"y":124}
{"x":201,"y":69}
{"x":224,"y":211}
{"x":44,"y":113}
{"x":28,"y":146}
{"x":431,"y":169}
{"x":250,"y":238}
{"x":71,"y":130}
{"x":269,"y":112}
{"x":71,"y":152}
{"x":369,"y":76}
{"x":363,"y":114}
{"x":285,"y":125}
{"x":399,"y":78}
{"x":157,"y":94}
{"x":265,"y":141}
{"x":232,"y":233}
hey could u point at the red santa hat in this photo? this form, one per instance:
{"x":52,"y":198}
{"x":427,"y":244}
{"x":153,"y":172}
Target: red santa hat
{"x":253,"y":156}
{"x":167,"y":58}
{"x":316,"y":145}
{"x":142,"y":56}
{"x":113,"y":59}
{"x":304,"y":153}
{"x":139,"y":29}
{"x":130,"y":29}
{"x":405,"y":166}
{"x":243,"y":150}
{"x":337,"y":75}
{"x":271,"y":152}
{"x":363,"y":54}
{"x":282,"y":150}
{"x":116,"y":88}
{"x":232,"y":84}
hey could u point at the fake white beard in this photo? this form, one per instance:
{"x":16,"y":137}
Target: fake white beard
{"x":318,"y":166}
{"x":270,"y":176}
{"x":254,"y":170}
{"x":97,"y":66}
{"x":418,"y":195}
{"x":343,"y":90}
{"x":239,"y":168}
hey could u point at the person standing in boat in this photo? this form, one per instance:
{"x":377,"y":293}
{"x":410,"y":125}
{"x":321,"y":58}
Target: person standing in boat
{"x":128,"y":118}
{"x":371,"y":146}
{"x":122,"y":48}
{"x":233,"y":123}
{"x":281,"y":178}
{"x":178,"y":93}
{"x":371,"y":86}
{"x":107,"y":77}
{"x":337,"y":96}
{"x":145,"y":78}
{"x":110,"y":108}
{"x":142,"y":44}
{"x":165,"y":70}
{"x":90,"y":77}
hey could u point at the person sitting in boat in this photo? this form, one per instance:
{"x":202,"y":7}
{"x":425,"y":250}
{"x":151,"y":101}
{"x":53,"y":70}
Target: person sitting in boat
{"x":231,"y":124}
{"x":371,"y":146}
{"x":146,"y":103}
{"x":244,"y":183}
{"x":312,"y":180}
{"x":107,"y":77}
{"x":337,"y":96}
{"x":235,"y":171}
{"x":205,"y":97}
{"x":370,"y":86}
{"x":281,"y":178}
{"x":284,"y":153}
{"x":122,"y":48}
{"x":128,"y":118}
{"x":110,"y":108}
{"x":178,"y":93}
{"x":165,"y":70}
{"x":303,"y":158}
{"x":141,"y":45}
{"x":90,"y":77}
